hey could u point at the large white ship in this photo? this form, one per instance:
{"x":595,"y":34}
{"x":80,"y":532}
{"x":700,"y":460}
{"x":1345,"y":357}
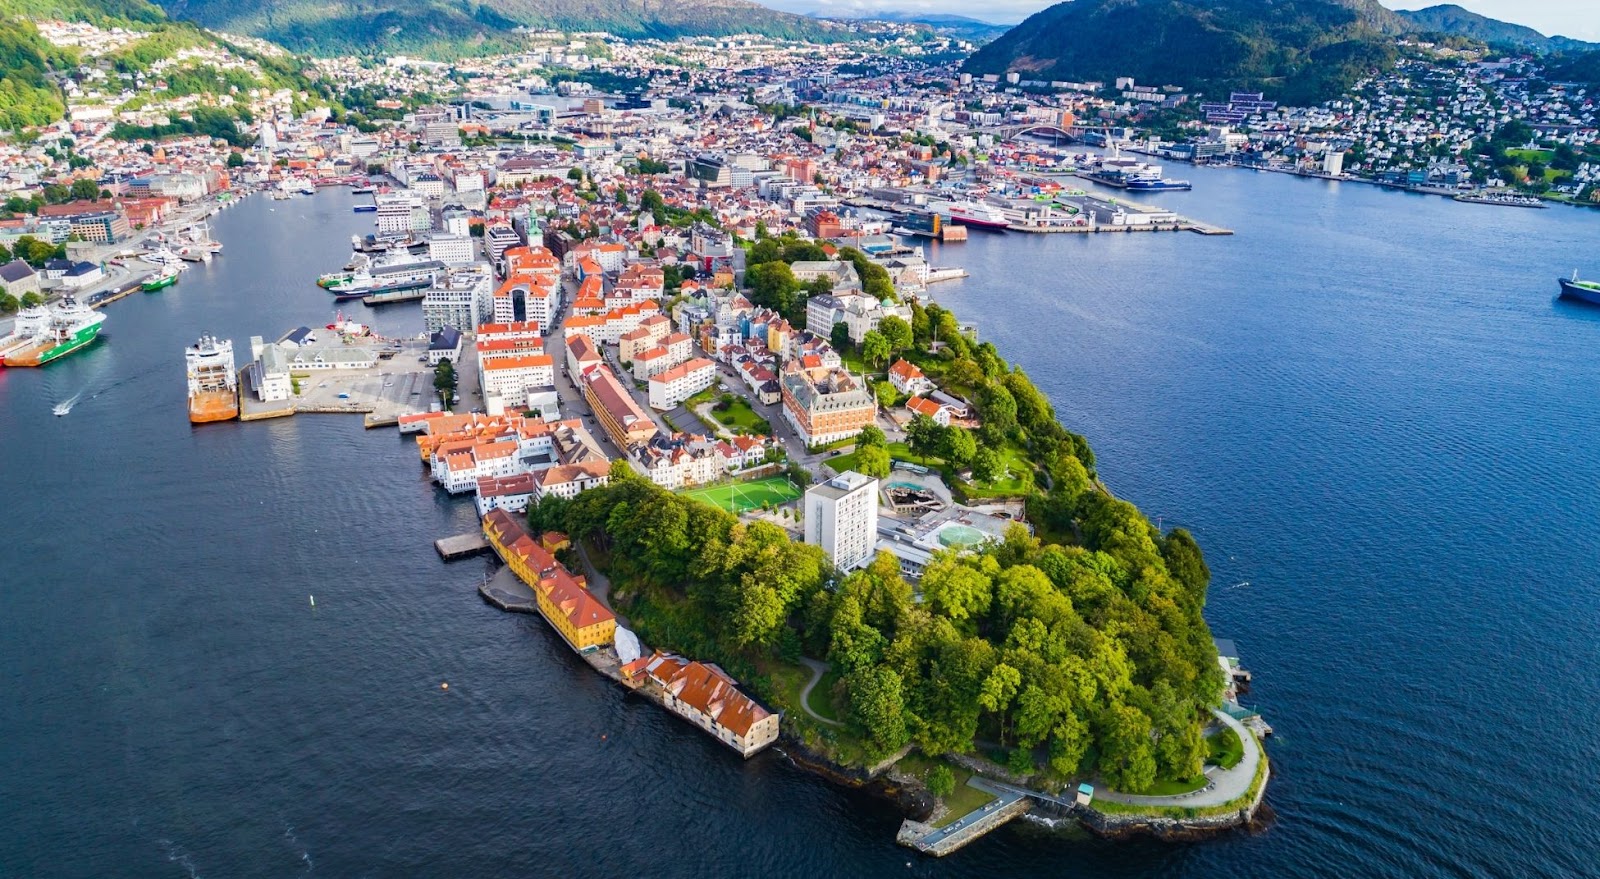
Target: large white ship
{"x":41,"y":334}
{"x":970,"y":213}
{"x":213,"y":383}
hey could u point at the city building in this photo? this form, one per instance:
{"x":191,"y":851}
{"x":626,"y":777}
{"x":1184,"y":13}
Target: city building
{"x":671,"y":387}
{"x":841,"y":516}
{"x":614,"y":407}
{"x":706,"y":696}
{"x":825,"y":405}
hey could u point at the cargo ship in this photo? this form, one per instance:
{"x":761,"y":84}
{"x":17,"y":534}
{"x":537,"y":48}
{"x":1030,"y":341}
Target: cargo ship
{"x":213,"y":383}
{"x":42,"y":335}
{"x":161,"y":280}
{"x":1148,"y":182}
{"x":1580,"y":291}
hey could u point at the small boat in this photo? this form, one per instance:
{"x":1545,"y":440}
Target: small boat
{"x":1580,"y":291}
{"x":364,"y":208}
{"x":62,"y":408}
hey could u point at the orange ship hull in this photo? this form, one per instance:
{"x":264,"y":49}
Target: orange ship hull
{"x":213,"y":406}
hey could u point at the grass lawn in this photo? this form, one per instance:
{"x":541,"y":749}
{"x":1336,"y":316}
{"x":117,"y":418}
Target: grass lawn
{"x":1226,"y":749}
{"x":740,"y":418}
{"x":1530,"y":155}
{"x":737,"y":497}
{"x":961,"y":801}
{"x":964,"y":800}
{"x":787,"y":681}
{"x":821,"y":699}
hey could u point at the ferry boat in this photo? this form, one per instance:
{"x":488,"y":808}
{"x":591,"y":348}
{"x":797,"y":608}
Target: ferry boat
{"x":384,"y":278}
{"x":365,"y":208}
{"x":1147,"y":182}
{"x":971,"y":213}
{"x":213,"y":383}
{"x":161,"y":281}
{"x":1580,"y":291}
{"x":42,"y":335}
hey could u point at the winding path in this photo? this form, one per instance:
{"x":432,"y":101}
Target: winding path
{"x":818,"y":669}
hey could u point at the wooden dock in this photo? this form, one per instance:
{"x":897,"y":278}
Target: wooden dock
{"x":461,"y":546}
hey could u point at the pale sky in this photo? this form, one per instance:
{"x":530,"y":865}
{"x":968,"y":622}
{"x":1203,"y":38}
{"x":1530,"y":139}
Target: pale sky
{"x":1573,"y":18}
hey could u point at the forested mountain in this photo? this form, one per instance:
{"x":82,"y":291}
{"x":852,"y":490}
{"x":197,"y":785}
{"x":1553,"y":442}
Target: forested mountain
{"x":442,"y":27}
{"x":36,"y":71}
{"x":1299,"y":50}
{"x":1451,"y":19}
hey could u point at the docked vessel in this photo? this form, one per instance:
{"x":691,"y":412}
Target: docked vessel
{"x":382,"y":277}
{"x":42,"y":335}
{"x":161,"y":280}
{"x":1148,"y":182}
{"x":1580,"y":291}
{"x":364,"y":208}
{"x":213,"y":383}
{"x":971,"y":213}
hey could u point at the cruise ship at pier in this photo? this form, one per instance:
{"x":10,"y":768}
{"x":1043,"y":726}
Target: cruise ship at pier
{"x":42,"y":334}
{"x":970,"y":213}
{"x":213,"y":383}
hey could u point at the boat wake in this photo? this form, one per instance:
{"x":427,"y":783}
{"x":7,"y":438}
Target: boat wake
{"x":178,"y":855}
{"x":66,"y":405}
{"x":294,"y":842}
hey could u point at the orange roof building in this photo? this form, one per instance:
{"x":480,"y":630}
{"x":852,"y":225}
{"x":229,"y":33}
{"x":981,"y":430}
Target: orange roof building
{"x":582,"y":620}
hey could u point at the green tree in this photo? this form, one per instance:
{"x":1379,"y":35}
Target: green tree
{"x":235,"y":160}
{"x":941,"y":781}
{"x":839,"y":336}
{"x":84,"y":188}
{"x":987,"y":465}
{"x":897,"y":331}
{"x":999,"y":688}
{"x":1127,"y":755}
{"x":871,"y":436}
{"x":959,"y":446}
{"x":575,"y":173}
{"x":956,"y":589}
{"x":874,"y":348}
{"x":873,"y":461}
{"x":877,"y":703}
{"x":998,"y":407}
{"x":772,"y":285}
{"x":8,"y":304}
{"x":885,"y":394}
{"x":925,"y":435}
{"x":32,"y":298}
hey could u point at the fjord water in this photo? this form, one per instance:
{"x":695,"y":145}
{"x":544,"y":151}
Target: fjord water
{"x":1366,"y":405}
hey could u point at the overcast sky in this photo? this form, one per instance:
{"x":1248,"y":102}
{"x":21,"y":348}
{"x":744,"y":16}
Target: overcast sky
{"x":1573,"y":18}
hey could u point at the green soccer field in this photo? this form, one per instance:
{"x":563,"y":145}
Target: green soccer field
{"x":737,"y":497}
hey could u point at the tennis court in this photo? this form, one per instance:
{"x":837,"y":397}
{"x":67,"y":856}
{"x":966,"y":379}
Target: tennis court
{"x":737,"y":497}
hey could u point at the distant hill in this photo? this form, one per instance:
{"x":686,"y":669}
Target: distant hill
{"x":1452,"y":19}
{"x":1300,"y":51}
{"x":955,"y":25}
{"x":443,"y":27}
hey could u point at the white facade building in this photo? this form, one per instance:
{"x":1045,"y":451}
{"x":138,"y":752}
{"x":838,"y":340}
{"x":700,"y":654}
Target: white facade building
{"x":841,"y":516}
{"x":669,"y":388}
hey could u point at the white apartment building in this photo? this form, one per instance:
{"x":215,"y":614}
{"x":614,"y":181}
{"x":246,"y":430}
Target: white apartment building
{"x":841,"y":516}
{"x":452,"y":250}
{"x":669,"y":388}
{"x":507,"y":379}
{"x":458,"y":300}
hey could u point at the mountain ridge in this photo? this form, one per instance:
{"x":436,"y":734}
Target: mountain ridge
{"x":1302,"y":51}
{"x":1449,"y":18}
{"x":445,"y":26}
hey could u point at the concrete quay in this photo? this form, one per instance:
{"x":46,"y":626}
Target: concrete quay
{"x":940,"y":841}
{"x":505,"y":591}
{"x":461,"y":546}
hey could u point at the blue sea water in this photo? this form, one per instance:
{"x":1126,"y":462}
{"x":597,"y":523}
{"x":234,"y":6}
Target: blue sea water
{"x":1366,"y":405}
